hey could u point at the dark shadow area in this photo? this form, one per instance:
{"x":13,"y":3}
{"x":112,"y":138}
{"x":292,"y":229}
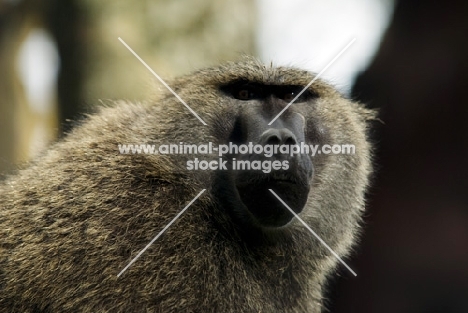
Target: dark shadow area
{"x":66,"y":20}
{"x":413,"y":256}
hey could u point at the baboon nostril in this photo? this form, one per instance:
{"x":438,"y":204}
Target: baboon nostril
{"x":290,"y":141}
{"x":274,"y":136}
{"x":273,"y":140}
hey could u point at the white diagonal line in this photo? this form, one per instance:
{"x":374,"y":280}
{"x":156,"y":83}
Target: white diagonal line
{"x":313,"y":233}
{"x":161,"y":80}
{"x":160,"y":233}
{"x":313,"y":80}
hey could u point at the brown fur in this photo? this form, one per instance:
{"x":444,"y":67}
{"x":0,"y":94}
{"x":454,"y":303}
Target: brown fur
{"x":75,"y":217}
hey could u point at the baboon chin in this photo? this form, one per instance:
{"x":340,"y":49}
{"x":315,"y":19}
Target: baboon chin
{"x":73,"y":219}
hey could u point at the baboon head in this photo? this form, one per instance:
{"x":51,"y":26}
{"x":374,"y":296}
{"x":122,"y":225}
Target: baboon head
{"x":241,"y":101}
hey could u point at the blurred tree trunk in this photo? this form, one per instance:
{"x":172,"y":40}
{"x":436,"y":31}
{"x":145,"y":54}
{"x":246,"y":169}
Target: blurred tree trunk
{"x":6,"y":91}
{"x":173,"y":37}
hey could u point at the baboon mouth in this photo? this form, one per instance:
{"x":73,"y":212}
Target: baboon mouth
{"x":285,"y":181}
{"x":250,"y":178}
{"x":265,"y":208}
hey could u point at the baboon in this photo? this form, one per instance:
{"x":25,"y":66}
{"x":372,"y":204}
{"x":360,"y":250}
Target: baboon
{"x":76,"y":216}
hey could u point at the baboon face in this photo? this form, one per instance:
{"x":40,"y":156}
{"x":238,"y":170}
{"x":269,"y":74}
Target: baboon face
{"x":258,"y":104}
{"x":239,"y":100}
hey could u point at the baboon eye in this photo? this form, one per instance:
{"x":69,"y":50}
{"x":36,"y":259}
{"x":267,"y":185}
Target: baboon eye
{"x":247,"y":92}
{"x":288,"y":93}
{"x":289,"y":96}
{"x":244,"y":94}
{"x":244,"y":90}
